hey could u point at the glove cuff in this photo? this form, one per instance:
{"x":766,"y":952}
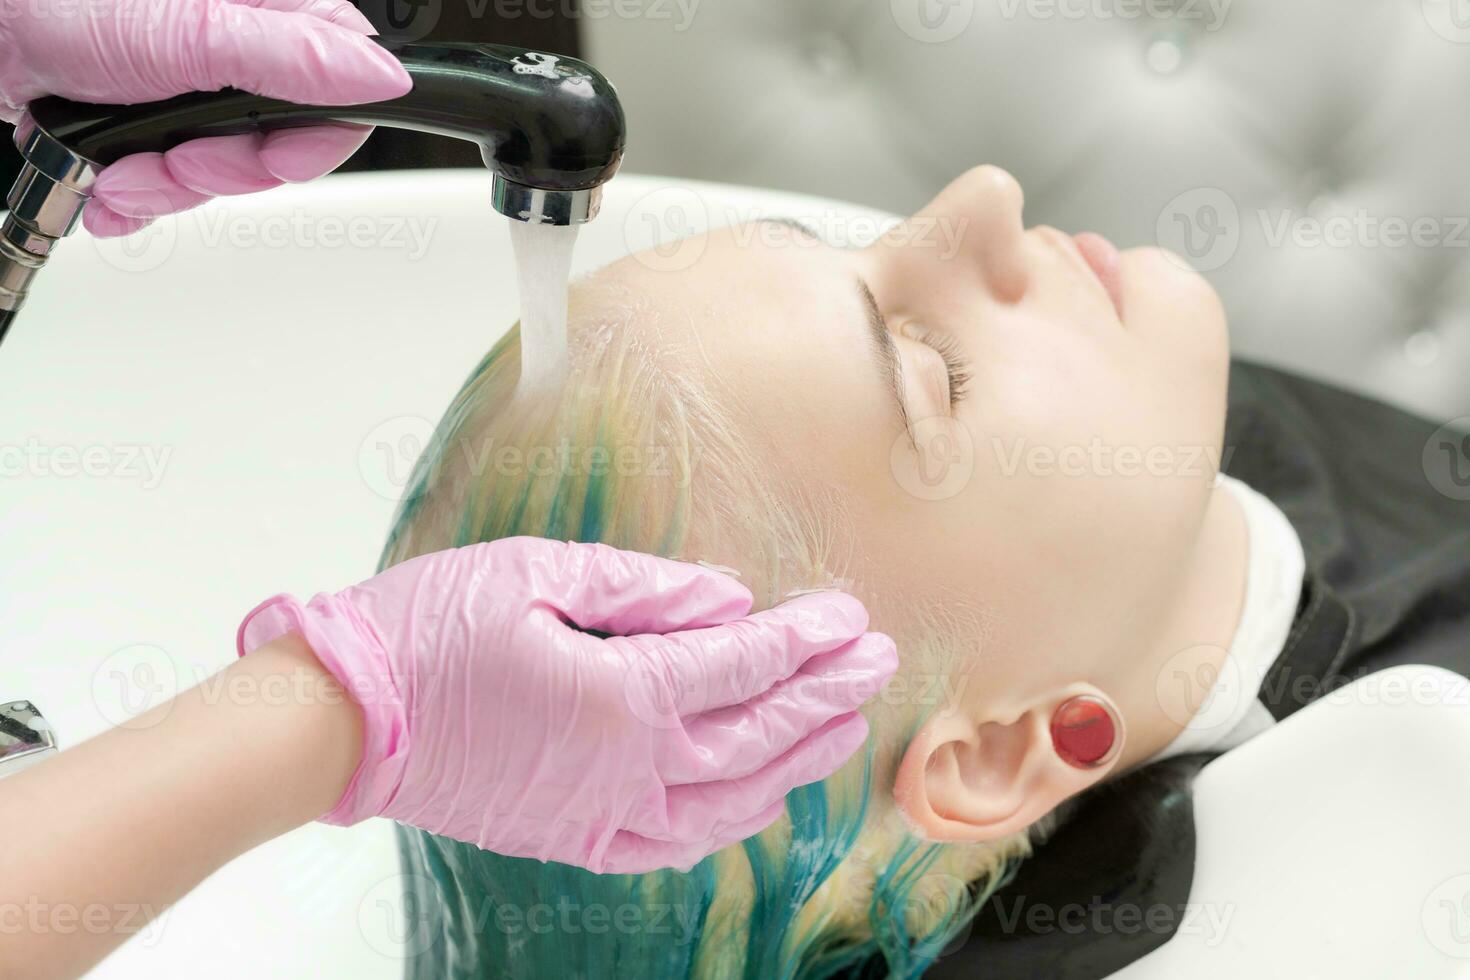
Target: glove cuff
{"x":351,"y":652}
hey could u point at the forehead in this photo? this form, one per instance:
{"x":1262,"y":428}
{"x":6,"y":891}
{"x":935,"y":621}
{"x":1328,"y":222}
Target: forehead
{"x":774,"y":327}
{"x":776,"y":331}
{"x":754,"y":261}
{"x":755,"y":286}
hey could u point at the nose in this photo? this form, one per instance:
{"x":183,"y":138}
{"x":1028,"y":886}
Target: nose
{"x":982,"y":208}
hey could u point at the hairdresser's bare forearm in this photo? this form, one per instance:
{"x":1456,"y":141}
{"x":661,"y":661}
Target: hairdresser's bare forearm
{"x":106,"y":836}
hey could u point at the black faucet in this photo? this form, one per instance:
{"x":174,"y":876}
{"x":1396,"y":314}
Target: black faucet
{"x":550,"y":129}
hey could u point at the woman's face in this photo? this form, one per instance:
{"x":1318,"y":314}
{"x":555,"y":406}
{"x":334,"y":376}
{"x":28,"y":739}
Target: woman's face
{"x":1006,"y":422}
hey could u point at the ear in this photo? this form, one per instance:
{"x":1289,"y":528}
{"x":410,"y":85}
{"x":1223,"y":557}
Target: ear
{"x":970,"y":776}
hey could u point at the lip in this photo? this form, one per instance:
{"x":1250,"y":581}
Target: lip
{"x":1106,"y":262}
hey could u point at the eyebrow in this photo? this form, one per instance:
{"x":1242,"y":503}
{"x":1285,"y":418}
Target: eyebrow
{"x":886,"y":354}
{"x":795,"y":224}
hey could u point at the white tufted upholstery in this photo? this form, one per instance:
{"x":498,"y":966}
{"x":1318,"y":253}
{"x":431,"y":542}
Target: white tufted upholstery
{"x":1121,"y":117}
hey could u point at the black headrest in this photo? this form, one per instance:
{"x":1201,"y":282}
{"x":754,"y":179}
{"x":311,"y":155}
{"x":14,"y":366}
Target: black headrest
{"x":1111,"y":884}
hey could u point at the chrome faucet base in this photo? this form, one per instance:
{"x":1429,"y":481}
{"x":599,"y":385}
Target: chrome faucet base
{"x":543,"y":206}
{"x":26,"y":737}
{"x":45,"y":202}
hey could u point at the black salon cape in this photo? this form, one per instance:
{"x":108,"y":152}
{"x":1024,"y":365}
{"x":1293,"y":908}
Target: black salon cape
{"x":1377,"y":497}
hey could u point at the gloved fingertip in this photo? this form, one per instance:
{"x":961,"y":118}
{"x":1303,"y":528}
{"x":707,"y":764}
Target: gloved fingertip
{"x":746,"y":829}
{"x":855,"y":672}
{"x":103,"y":222}
{"x":830,"y":747}
{"x":885,"y":655}
{"x":399,"y":74}
{"x":850,"y":733}
{"x":854,"y":675}
{"x":377,"y":76}
{"x":301,"y":59}
{"x":149,"y":205}
{"x":637,"y":855}
{"x":135,"y":170}
{"x":838,"y":612}
{"x":296,"y":155}
{"x":140,"y":186}
{"x":220,"y":165}
{"x":760,"y":821}
{"x":627,"y":593}
{"x":713,"y":599}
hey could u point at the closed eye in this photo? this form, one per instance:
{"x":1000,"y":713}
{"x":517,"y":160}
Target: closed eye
{"x":955,"y":365}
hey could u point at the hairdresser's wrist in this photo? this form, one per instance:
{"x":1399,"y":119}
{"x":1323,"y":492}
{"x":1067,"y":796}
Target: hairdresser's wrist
{"x":349,"y":648}
{"x":311,"y":730}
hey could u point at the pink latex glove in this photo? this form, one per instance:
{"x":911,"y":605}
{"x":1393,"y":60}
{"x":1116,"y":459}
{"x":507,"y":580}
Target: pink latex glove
{"x":126,"y":51}
{"x":491,"y":716}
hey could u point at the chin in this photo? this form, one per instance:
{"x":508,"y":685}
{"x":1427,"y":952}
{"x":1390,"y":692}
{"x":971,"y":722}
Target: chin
{"x":1165,"y":297}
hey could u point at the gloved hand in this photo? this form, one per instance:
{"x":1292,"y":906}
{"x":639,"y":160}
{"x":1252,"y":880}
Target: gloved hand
{"x":491,"y":716}
{"x":126,"y":51}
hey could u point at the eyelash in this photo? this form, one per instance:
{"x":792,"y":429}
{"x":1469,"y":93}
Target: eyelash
{"x":948,"y":350}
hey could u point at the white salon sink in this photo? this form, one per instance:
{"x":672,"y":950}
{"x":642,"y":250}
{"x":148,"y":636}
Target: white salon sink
{"x":227,"y":406}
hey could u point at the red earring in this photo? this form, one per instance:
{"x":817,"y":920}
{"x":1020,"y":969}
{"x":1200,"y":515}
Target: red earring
{"x":1086,"y":732}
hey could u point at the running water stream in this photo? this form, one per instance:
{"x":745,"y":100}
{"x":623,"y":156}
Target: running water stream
{"x":543,"y":266}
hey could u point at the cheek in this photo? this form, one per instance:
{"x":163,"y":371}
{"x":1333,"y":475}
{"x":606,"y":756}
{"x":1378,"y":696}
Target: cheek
{"x":1088,"y":446}
{"x":1087,"y":443}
